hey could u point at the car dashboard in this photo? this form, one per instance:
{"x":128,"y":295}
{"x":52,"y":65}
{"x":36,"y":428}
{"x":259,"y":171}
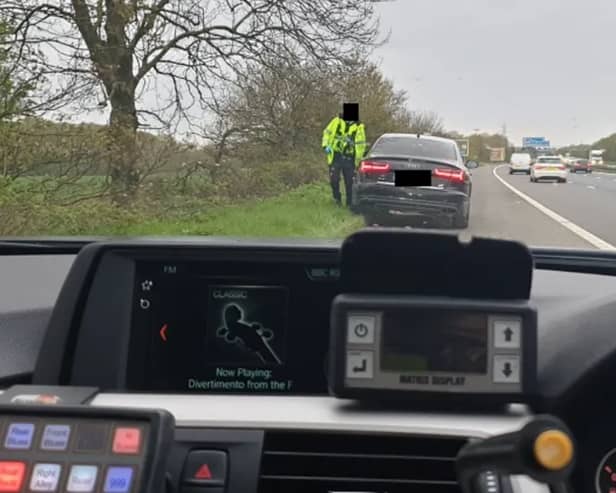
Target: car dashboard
{"x":122,"y":324}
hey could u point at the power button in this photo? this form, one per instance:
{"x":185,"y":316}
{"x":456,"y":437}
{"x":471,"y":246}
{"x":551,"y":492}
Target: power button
{"x":361,"y":328}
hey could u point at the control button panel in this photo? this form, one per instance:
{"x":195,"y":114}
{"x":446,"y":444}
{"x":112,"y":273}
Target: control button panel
{"x":47,"y":453}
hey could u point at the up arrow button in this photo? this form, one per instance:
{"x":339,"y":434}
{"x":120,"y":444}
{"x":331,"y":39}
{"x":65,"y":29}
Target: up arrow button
{"x":506,"y":333}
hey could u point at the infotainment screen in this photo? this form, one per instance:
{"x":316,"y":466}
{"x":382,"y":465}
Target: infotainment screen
{"x":231,"y":327}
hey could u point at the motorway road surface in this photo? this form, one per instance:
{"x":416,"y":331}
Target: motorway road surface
{"x":586,"y":204}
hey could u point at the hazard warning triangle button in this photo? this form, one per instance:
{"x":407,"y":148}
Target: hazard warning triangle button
{"x":205,"y":468}
{"x":203,"y":472}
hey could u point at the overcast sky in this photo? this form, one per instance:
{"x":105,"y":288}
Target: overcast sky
{"x":542,"y":67}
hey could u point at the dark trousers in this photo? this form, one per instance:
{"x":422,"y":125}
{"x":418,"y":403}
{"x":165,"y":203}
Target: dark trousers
{"x":344,"y":165}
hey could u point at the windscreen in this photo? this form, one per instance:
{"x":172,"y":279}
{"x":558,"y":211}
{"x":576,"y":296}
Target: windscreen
{"x":306,"y":118}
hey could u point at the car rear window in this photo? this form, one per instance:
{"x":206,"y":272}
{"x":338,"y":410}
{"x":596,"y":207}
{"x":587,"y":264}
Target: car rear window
{"x":416,"y":147}
{"x":548,"y":160}
{"x":521,"y":158}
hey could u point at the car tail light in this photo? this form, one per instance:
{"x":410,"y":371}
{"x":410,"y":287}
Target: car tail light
{"x":561,"y":167}
{"x":371,"y":167}
{"x":452,"y":175}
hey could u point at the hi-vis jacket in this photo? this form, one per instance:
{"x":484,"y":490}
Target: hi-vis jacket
{"x":344,"y":139}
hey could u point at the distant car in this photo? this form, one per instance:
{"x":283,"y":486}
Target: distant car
{"x":444,"y":198}
{"x":577,"y":165}
{"x":548,"y":167}
{"x":520,"y":162}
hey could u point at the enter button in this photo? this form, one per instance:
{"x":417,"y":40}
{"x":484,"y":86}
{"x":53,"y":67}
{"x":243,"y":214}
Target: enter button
{"x":205,"y":468}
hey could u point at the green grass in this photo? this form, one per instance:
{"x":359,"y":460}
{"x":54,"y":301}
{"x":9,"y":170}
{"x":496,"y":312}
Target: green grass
{"x":605,"y":168}
{"x":307,"y":211}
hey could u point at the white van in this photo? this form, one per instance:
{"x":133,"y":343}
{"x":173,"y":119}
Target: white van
{"x":520,"y":162}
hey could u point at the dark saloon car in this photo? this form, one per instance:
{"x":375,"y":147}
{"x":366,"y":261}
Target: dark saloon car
{"x":582,"y":165}
{"x":412,"y":179}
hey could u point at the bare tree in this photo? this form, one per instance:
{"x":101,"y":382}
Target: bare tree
{"x":426,"y":122}
{"x":161,"y":61}
{"x":286,"y":106}
{"x":15,"y":83}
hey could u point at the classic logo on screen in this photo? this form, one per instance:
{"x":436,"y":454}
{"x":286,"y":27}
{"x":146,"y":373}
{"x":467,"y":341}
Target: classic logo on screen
{"x":246,"y":325}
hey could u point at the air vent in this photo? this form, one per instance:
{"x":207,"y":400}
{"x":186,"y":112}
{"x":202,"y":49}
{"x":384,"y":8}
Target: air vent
{"x":328,"y":462}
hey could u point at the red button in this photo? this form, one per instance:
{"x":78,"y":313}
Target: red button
{"x":127,"y":440}
{"x":11,"y":476}
{"x":203,"y":472}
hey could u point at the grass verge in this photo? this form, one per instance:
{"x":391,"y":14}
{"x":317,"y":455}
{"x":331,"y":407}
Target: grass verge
{"x":307,"y":211}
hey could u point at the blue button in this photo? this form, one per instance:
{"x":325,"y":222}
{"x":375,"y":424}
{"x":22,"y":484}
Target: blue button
{"x":82,"y":479}
{"x":55,"y":437}
{"x":118,"y":480}
{"x":19,"y":436}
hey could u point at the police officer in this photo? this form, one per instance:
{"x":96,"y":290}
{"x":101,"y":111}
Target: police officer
{"x":344,"y":141}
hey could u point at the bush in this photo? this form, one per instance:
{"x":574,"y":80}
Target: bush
{"x":46,"y":205}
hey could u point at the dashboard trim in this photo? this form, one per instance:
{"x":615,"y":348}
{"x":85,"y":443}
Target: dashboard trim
{"x":311,"y":413}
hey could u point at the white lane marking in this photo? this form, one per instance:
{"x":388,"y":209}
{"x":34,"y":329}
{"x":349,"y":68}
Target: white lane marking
{"x":592,"y":187}
{"x":574,"y":228}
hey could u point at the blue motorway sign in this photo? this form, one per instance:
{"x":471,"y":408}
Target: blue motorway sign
{"x":539,"y":142}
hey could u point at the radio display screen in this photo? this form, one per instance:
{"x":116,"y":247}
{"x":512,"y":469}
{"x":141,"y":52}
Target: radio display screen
{"x":230,"y":327}
{"x":429,"y":341}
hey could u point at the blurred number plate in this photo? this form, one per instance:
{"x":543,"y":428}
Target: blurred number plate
{"x":413,"y":178}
